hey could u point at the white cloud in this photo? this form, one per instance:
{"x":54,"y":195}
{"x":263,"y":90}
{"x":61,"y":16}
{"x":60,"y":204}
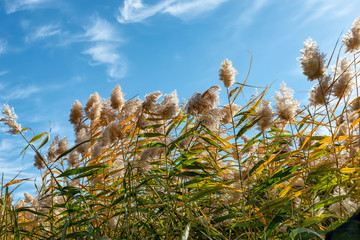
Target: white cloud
{"x":19,"y":93}
{"x":103,"y":53}
{"x":3,"y":46}
{"x":8,"y":145}
{"x":10,"y":149}
{"x":10,"y":169}
{"x":248,"y":16}
{"x":315,"y":9}
{"x":43,"y":32}
{"x":104,"y":50}
{"x":106,"y":53}
{"x":136,"y":11}
{"x":12,"y":6}
{"x":190,"y":9}
{"x":101,"y":30}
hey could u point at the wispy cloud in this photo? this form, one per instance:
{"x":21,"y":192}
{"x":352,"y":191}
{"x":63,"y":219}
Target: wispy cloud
{"x":15,"y":168}
{"x":136,"y":11}
{"x":8,"y":145}
{"x":3,"y":46}
{"x":101,"y":30}
{"x":18,"y":92}
{"x":191,"y":9}
{"x":43,"y":32}
{"x":105,"y":53}
{"x":315,"y":9}
{"x":12,"y":6}
{"x":105,"y":40}
{"x":102,"y":37}
{"x":248,"y":16}
{"x":10,"y":161}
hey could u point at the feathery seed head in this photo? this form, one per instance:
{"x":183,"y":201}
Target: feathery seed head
{"x":81,"y":136}
{"x":39,"y":163}
{"x":344,"y":75}
{"x":76,"y":113}
{"x":265,"y":115}
{"x":29,"y":198}
{"x":169,"y":107}
{"x":228,"y":112}
{"x":210,"y":98}
{"x":53,"y":149}
{"x":149,"y":153}
{"x":97,"y":150}
{"x":20,"y":204}
{"x":352,"y":38}
{"x":62,"y":146}
{"x":203,"y":103}
{"x":193,"y":106}
{"x":355,"y":106}
{"x":211,"y":119}
{"x":117,"y":98}
{"x":93,"y":106}
{"x":10,"y":120}
{"x":113,"y":131}
{"x":285,"y":104}
{"x":108,"y":113}
{"x":312,"y":61}
{"x":131,"y":108}
{"x":73,"y":158}
{"x":227,"y":73}
{"x":319,"y":93}
{"x":150,"y":100}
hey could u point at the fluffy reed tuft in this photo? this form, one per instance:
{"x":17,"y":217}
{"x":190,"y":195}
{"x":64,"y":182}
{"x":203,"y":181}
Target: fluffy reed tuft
{"x":352,"y":38}
{"x":312,"y":61}
{"x":10,"y":120}
{"x":227,"y":73}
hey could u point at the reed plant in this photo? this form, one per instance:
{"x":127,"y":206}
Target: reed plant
{"x":150,"y":169}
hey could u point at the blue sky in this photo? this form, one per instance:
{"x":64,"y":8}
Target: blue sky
{"x":55,"y":51}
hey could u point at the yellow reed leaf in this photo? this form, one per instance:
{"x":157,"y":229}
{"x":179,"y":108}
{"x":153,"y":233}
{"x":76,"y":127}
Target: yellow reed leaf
{"x":15,"y":182}
{"x":298,"y":193}
{"x":348,"y":170}
{"x":326,"y":140}
{"x":354,"y":123}
{"x":260,"y":216}
{"x":330,"y":139}
{"x":262,"y":166}
{"x":127,"y":127}
{"x":229,"y":138}
{"x":288,"y":187}
{"x":230,"y":187}
{"x":342,"y":138}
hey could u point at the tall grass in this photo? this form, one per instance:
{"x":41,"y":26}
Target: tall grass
{"x":159,"y":170}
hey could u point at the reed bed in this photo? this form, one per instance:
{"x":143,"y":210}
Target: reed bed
{"x":151,"y":169}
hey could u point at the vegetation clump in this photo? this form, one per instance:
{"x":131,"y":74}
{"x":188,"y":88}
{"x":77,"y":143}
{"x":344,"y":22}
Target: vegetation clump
{"x":151,"y":169}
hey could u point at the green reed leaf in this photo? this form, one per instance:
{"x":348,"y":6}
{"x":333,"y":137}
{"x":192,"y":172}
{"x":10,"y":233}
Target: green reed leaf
{"x":81,"y":170}
{"x":37,"y":137}
{"x":205,"y":193}
{"x":298,"y":231}
{"x":45,"y":140}
{"x":149,"y":135}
